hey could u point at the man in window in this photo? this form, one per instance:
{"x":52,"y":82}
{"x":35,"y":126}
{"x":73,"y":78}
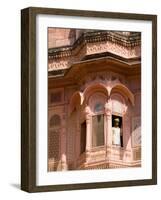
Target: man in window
{"x":116,"y":133}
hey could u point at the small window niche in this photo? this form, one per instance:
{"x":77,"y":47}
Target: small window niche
{"x":55,"y":97}
{"x":117,"y":130}
{"x":55,"y":121}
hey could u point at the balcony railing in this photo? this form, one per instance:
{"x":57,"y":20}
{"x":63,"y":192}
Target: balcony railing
{"x":114,"y":156}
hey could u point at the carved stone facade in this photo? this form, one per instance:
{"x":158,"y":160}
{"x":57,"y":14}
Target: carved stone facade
{"x":94,"y":77}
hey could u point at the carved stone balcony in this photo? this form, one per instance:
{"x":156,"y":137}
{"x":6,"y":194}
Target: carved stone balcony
{"x":113,"y":157}
{"x":54,"y":165}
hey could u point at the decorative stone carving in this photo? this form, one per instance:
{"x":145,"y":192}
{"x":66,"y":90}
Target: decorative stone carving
{"x":58,"y":65}
{"x":87,"y":111}
{"x":98,"y":42}
{"x":97,"y":88}
{"x":136,"y":131}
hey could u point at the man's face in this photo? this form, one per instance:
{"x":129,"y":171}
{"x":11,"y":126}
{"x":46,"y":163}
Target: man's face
{"x":116,"y":124}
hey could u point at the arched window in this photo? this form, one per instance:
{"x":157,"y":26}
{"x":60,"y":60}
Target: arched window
{"x":98,"y":107}
{"x":97,"y":130}
{"x":55,"y":121}
{"x":96,"y":103}
{"x":54,"y":137}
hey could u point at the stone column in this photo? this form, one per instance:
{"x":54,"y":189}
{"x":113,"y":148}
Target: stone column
{"x":77,"y":137}
{"x":88,"y":129}
{"x":108,"y":123}
{"x":127,"y":136}
{"x":127,"y":128}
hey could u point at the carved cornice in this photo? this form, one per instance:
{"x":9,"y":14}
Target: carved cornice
{"x":82,"y":68}
{"x":127,"y":40}
{"x":95,"y":44}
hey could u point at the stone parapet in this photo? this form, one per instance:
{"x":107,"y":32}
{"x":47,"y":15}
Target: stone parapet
{"x":103,"y":158}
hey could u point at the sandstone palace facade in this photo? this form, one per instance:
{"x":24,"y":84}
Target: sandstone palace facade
{"x":94,"y":99}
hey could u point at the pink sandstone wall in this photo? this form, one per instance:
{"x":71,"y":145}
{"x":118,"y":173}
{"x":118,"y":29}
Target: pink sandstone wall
{"x":72,"y":114}
{"x":60,"y":37}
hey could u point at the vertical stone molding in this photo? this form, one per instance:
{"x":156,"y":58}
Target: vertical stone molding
{"x":88,"y":129}
{"x":127,"y":137}
{"x":77,"y":135}
{"x":108,"y":123}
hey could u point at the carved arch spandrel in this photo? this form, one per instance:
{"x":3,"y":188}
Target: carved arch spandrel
{"x":76,"y":100}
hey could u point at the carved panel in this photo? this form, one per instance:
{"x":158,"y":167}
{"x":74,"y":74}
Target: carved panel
{"x":55,"y":121}
{"x":72,"y":128}
{"x":137,"y":109}
{"x":53,"y":144}
{"x":113,"y":48}
{"x":136,"y":131}
{"x":55,"y":97}
{"x":137,"y":153}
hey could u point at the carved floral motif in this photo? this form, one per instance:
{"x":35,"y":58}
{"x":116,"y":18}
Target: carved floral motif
{"x":59,"y":58}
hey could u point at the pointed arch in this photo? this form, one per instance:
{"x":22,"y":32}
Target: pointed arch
{"x":97,"y":87}
{"x":75,"y":100}
{"x":122,"y":89}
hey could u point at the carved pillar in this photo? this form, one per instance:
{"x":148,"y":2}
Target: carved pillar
{"x":127,"y":136}
{"x":77,"y":138}
{"x":127,"y":130}
{"x":108,"y":124}
{"x":88,"y":129}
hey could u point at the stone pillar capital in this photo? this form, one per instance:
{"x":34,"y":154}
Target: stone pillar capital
{"x":87,"y":110}
{"x":88,"y":119}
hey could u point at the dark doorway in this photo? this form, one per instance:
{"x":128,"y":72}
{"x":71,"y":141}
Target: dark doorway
{"x":120,"y":126}
{"x":83,"y":138}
